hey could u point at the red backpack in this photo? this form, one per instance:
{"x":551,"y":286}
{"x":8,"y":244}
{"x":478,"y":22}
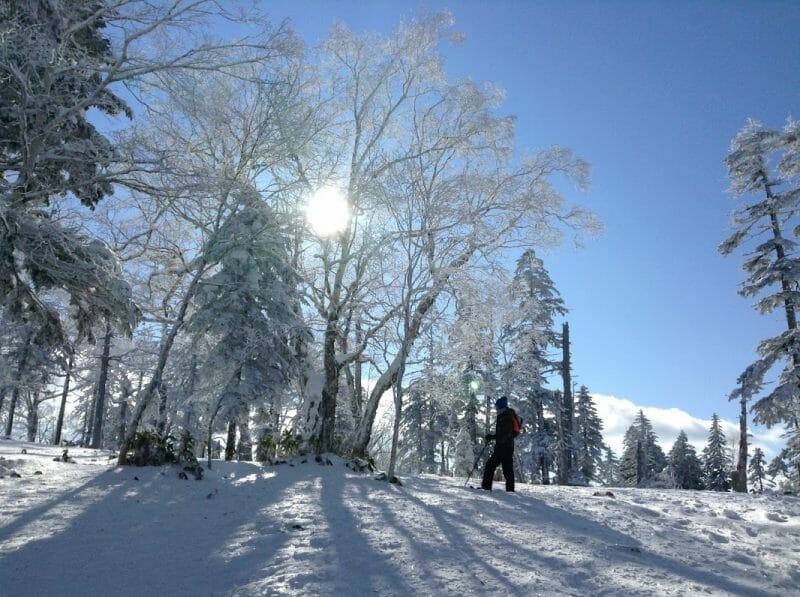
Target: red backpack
{"x":516,"y":424}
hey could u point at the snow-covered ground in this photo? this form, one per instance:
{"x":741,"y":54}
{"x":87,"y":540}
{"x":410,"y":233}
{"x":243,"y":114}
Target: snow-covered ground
{"x":91,"y":528}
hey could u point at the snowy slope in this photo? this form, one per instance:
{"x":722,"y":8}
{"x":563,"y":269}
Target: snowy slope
{"x":91,"y":528}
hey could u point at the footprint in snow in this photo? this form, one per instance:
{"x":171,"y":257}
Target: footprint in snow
{"x":776,"y":517}
{"x":717,"y":537}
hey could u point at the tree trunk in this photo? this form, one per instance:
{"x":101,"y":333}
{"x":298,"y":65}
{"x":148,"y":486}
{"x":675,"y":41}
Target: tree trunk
{"x":161,"y":426}
{"x":387,"y":379}
{"x":3,"y":391}
{"x":166,"y":346}
{"x":32,"y":419}
{"x":398,"y":411}
{"x":780,"y":253}
{"x":100,"y":400}
{"x":566,"y":414}
{"x":210,"y":436}
{"x":543,"y":461}
{"x":64,"y":393}
{"x":123,"y":414}
{"x":330,"y":390}
{"x":230,"y":442}
{"x":740,"y":479}
{"x":23,"y":363}
{"x":244,"y":449}
{"x":88,"y":421}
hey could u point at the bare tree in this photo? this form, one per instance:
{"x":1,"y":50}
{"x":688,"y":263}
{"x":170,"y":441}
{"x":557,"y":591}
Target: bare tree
{"x":422,"y":158}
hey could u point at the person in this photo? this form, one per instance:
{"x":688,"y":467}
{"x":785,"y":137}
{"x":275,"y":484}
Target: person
{"x":503,"y":453}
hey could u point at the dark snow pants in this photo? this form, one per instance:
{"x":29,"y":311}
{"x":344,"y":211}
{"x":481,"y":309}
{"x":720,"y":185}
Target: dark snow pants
{"x":504,"y":456}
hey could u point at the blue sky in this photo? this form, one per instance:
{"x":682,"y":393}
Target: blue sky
{"x":650,"y":93}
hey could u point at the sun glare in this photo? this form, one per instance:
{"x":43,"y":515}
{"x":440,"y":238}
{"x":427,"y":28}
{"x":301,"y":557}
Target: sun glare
{"x":327,"y":212}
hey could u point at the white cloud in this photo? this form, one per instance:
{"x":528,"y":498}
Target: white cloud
{"x":618,"y":415}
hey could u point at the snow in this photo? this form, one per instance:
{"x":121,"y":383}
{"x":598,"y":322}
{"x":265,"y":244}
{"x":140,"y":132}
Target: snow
{"x":92,"y":528}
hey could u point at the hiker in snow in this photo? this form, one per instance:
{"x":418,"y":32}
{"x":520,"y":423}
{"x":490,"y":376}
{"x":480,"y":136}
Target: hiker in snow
{"x":506,"y":429}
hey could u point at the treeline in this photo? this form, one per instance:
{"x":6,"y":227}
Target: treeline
{"x":644,"y":463}
{"x":158,"y":278}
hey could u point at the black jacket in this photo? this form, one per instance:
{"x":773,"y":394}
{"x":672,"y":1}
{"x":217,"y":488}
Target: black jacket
{"x":504,"y":429}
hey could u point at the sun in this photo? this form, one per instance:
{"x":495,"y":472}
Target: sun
{"x":327,"y":212}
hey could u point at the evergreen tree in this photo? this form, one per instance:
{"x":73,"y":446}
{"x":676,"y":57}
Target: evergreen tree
{"x":530,"y":334}
{"x":766,"y":163}
{"x":685,"y":465}
{"x":411,"y":449}
{"x":245,"y":308}
{"x":609,"y":468}
{"x":589,"y":437}
{"x":757,"y":470}
{"x":716,"y":461}
{"x":783,"y":465}
{"x":531,"y":331}
{"x":642,"y":458}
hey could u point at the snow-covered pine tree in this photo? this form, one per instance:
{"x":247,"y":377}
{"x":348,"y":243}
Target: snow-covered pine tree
{"x":588,"y":437}
{"x":411,"y":450}
{"x":245,"y":308}
{"x":54,"y":61}
{"x":531,"y":330}
{"x":783,"y":467}
{"x":757,"y":470}
{"x":530,"y":334}
{"x":609,"y":468}
{"x":716,"y":461}
{"x":766,"y":163}
{"x":685,"y":465}
{"x":642,"y":458}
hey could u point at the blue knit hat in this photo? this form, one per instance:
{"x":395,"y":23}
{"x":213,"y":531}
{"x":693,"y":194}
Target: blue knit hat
{"x":501,"y":402}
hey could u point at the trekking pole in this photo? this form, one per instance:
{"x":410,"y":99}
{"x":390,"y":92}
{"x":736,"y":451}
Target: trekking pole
{"x":477,"y":460}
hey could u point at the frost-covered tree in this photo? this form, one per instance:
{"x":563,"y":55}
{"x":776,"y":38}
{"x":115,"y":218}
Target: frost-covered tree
{"x":685,"y":466}
{"x":531,"y":331}
{"x":716,"y":461}
{"x":529,"y":337}
{"x":783,"y":465}
{"x":53,"y":56}
{"x":765,"y":163}
{"x":609,"y":468}
{"x":61,"y":63}
{"x":642,"y":458}
{"x":423,"y":161}
{"x":757,"y":470}
{"x":216,"y":134}
{"x":463,"y":454}
{"x":244,"y":308}
{"x":588,"y":437}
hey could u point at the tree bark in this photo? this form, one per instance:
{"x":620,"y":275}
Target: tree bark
{"x":163,"y":395}
{"x":3,"y":391}
{"x":244,"y":448}
{"x":567,"y":412}
{"x":32,"y":419}
{"x":123,"y":413}
{"x":330,"y":390}
{"x":64,"y":393}
{"x":23,"y":363}
{"x":543,"y":462}
{"x":100,"y":400}
{"x":398,"y":411}
{"x":230,"y":443}
{"x":740,"y":483}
